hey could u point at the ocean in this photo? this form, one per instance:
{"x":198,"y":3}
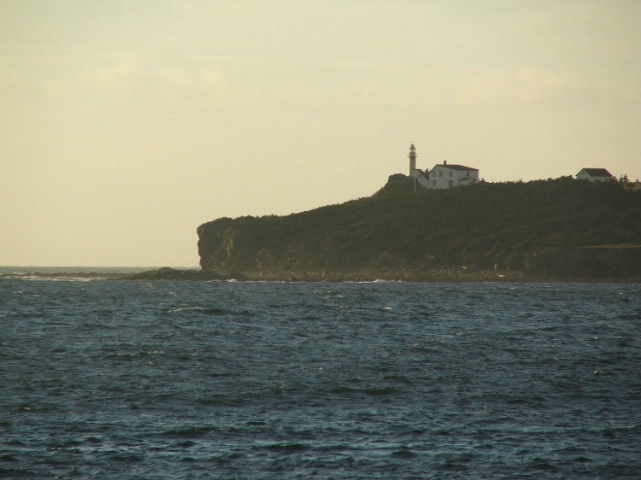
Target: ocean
{"x":123,"y":379}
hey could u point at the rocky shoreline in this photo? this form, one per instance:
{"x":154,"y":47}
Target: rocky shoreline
{"x":453,"y":275}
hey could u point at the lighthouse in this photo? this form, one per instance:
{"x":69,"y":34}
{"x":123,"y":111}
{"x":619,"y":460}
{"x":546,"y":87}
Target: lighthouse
{"x":412,"y":156}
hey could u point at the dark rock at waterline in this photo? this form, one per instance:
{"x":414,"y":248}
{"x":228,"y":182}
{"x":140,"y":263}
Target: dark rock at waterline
{"x":167,"y":273}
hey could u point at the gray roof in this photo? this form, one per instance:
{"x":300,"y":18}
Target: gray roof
{"x":596,"y":172}
{"x":455,"y":167}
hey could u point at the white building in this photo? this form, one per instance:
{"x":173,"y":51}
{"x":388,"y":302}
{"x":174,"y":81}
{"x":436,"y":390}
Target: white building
{"x":446,"y":176}
{"x":594,"y":175}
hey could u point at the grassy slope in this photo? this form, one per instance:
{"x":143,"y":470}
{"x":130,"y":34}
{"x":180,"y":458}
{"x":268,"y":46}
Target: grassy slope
{"x":479,"y":227}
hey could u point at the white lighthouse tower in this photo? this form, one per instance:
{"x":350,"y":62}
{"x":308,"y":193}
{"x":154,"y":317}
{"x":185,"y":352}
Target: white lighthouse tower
{"x":415,"y":173}
{"x":412,"y":156}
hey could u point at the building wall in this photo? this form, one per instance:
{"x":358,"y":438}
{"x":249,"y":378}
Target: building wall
{"x":583,"y":175}
{"x":421,"y":179}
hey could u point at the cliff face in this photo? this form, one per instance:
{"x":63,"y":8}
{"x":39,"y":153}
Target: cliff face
{"x":545,"y":230}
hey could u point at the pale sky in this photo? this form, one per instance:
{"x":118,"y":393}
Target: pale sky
{"x":126,"y":124}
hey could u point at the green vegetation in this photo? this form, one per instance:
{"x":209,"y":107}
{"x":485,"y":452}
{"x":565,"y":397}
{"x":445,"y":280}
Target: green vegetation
{"x":539,"y":229}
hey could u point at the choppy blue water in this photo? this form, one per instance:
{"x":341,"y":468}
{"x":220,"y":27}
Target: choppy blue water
{"x":151,"y":380}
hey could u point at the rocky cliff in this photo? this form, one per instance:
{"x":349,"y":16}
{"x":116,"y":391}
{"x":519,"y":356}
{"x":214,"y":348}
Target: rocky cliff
{"x":544,"y":230}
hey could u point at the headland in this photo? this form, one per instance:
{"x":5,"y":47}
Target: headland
{"x":546,"y":230}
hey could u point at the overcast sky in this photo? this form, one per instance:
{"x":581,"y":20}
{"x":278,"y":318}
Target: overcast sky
{"x":126,"y":124}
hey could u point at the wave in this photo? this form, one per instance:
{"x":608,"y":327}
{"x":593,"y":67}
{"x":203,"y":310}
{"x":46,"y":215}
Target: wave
{"x":58,"y":277}
{"x":198,"y":309}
